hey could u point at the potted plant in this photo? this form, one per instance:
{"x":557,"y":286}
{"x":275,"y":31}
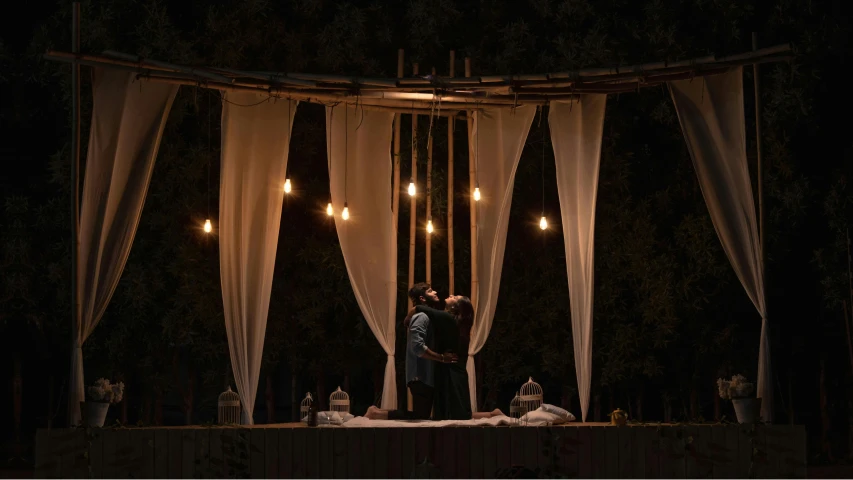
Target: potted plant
{"x":100,"y":396}
{"x":742,"y":394}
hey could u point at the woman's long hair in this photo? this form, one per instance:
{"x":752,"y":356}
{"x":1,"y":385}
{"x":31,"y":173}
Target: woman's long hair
{"x":463,"y":311}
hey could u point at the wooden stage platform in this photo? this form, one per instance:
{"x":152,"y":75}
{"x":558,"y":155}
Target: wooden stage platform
{"x":590,"y":450}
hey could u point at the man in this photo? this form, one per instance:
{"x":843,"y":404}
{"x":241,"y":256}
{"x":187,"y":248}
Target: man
{"x":420,"y":341}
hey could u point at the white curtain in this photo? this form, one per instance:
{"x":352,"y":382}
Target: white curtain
{"x":710,"y":110}
{"x":498,"y":138}
{"x":576,"y":130}
{"x":128,"y":117}
{"x":255,"y":142}
{"x":359,"y":143}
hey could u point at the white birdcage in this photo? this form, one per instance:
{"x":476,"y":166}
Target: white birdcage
{"x":229,"y":407}
{"x":531,"y":395}
{"x":517,"y":411}
{"x":339,"y":401}
{"x":305,"y":405}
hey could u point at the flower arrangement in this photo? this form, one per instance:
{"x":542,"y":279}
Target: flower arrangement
{"x":105,"y":392}
{"x":735,"y":388}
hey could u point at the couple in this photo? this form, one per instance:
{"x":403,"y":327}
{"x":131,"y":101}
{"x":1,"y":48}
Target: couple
{"x":438,"y":381}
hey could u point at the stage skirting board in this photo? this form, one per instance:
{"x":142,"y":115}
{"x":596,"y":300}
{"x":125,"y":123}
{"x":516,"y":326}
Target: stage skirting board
{"x":292,"y":450}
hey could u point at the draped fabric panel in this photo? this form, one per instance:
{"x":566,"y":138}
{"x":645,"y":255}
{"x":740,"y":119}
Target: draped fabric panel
{"x":576,"y":131}
{"x":498,"y":139}
{"x":128,"y":117}
{"x":360,"y":169}
{"x":255,"y":143}
{"x":710,"y":111}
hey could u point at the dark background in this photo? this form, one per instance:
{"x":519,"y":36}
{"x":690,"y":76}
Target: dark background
{"x":670,"y":316}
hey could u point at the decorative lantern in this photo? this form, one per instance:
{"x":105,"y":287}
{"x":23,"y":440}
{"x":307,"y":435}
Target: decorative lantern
{"x":305,"y":405}
{"x":339,"y":401}
{"x":531,"y":395}
{"x":517,"y":410}
{"x":229,"y":407}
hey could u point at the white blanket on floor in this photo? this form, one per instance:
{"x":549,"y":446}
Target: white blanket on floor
{"x":364,"y":422}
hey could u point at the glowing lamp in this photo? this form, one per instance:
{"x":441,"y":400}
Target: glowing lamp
{"x":329,"y":210}
{"x":429,"y":226}
{"x":207,"y":226}
{"x":287,"y":186}
{"x":477,"y":194}
{"x":345,"y":213}
{"x":543,"y":224}
{"x":412,"y":189}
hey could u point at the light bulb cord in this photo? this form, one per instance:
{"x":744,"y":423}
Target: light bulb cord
{"x":329,"y":148}
{"x":209,"y":150}
{"x":542,"y":128}
{"x":477,"y":120}
{"x":346,"y":150}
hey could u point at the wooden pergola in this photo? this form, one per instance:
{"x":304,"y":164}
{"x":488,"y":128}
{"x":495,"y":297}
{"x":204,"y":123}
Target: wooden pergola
{"x":432,"y":95}
{"x":418,"y":94}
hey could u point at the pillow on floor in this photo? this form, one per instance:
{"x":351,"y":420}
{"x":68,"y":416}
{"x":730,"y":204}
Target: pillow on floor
{"x":564,"y":414}
{"x":542,"y":416}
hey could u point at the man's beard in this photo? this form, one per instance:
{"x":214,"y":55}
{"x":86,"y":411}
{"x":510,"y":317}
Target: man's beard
{"x":436,"y":304}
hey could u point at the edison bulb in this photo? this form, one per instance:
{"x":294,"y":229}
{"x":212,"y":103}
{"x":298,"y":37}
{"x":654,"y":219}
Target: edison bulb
{"x":412,"y":189}
{"x":329,"y":210}
{"x":429,"y":226}
{"x":287,"y":186}
{"x":345,"y":213}
{"x":207,"y":226}
{"x":477,"y":194}
{"x":543,"y":224}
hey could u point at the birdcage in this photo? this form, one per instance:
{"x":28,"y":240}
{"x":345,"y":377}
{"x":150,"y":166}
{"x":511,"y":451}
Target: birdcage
{"x":305,"y":405}
{"x":229,"y":407}
{"x":531,"y":395}
{"x":339,"y":401}
{"x":517,"y":411}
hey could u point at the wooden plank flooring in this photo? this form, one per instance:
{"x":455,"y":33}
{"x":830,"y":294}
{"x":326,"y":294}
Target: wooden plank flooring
{"x":288,"y":450}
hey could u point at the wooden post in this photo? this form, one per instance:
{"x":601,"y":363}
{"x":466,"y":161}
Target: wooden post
{"x":413,"y":208}
{"x":451,"y":261}
{"x":398,"y":121}
{"x":429,"y":199}
{"x":766,"y":403}
{"x":472,"y":184}
{"x":73,"y":403}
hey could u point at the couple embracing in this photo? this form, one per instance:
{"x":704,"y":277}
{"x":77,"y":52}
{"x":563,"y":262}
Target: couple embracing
{"x":435,"y":341}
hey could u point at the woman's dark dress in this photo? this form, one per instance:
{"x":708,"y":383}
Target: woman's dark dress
{"x":452,"y":398}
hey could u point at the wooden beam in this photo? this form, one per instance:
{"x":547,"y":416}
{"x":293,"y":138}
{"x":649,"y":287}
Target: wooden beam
{"x":451,"y":261}
{"x":428,"y":237}
{"x":446,"y":87}
{"x":472,"y":185}
{"x":74,"y":412}
{"x":413,"y":203}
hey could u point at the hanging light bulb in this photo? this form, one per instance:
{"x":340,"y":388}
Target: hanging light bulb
{"x":412,"y":189}
{"x":345,"y":213}
{"x":543,"y":224}
{"x":477,"y":194}
{"x":429,"y":226}
{"x":329,"y":210}
{"x":207,"y":226}
{"x":287,"y":186}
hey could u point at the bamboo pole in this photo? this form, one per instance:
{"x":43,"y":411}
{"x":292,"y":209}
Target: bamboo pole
{"x":74,"y":403}
{"x":450,"y":257}
{"x":429,"y":199}
{"x":398,"y":121}
{"x":766,"y":403}
{"x":472,"y":184}
{"x":413,"y":205}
